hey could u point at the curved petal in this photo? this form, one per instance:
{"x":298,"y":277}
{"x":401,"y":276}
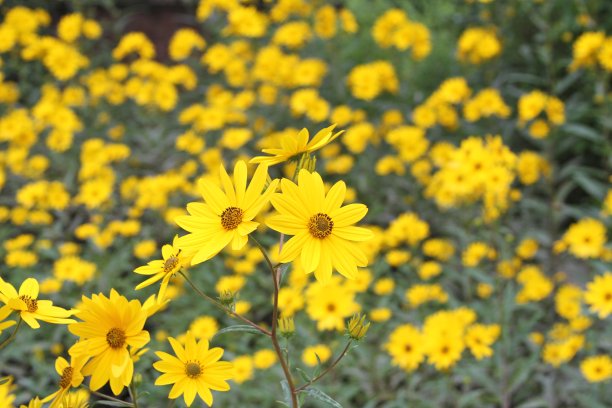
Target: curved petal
{"x":348,"y":215}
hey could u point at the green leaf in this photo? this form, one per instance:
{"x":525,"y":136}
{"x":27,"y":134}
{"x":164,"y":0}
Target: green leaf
{"x":238,"y":328}
{"x":303,"y":374}
{"x":594,"y":188}
{"x":583,"y":132}
{"x":286,"y":393}
{"x":321,"y":396}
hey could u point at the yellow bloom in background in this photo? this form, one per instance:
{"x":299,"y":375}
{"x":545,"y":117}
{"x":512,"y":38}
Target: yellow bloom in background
{"x":292,"y":146}
{"x":227,"y":215}
{"x":597,"y":368}
{"x":70,"y":377}
{"x":264,"y":359}
{"x":313,"y":354}
{"x":164,"y":269}
{"x":195,"y":369}
{"x":598,"y":295}
{"x":586,"y":238}
{"x":324,"y":236}
{"x":406,"y":347}
{"x":30,"y":308}
{"x":479,"y":338}
{"x":109,"y":325}
{"x":243,"y":369}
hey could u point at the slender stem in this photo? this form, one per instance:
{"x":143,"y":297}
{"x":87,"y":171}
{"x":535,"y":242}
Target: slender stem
{"x":273,"y":337}
{"x":225,"y":309}
{"x":108,"y":397}
{"x":133,"y":394}
{"x":7,"y":341}
{"x":328,"y":369}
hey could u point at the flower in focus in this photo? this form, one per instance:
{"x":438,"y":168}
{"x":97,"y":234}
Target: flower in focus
{"x":293,"y":146}
{"x":227,"y":215}
{"x":109,"y":325}
{"x":323,"y":232}
{"x":164,"y":269}
{"x":70,"y":377}
{"x":29,"y":307}
{"x":196,"y":369}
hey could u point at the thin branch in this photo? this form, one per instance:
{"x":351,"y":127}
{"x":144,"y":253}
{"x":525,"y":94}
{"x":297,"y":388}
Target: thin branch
{"x":222,"y":307}
{"x":327,"y":370}
{"x":13,"y":334}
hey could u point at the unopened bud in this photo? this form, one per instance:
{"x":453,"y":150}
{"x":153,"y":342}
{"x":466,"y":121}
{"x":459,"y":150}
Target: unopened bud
{"x":357,"y":327}
{"x":286,"y":326}
{"x":227,"y":299}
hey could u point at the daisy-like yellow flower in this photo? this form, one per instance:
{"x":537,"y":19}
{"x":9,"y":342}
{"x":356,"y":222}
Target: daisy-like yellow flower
{"x":30,"y":308}
{"x":70,"y":377}
{"x":196,"y":369}
{"x":324,"y":234}
{"x":227,"y":215}
{"x":598,"y":295}
{"x":164,"y":269}
{"x":109,"y":325}
{"x":291,"y":147}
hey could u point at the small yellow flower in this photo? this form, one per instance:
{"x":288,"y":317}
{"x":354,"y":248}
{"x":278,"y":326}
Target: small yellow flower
{"x":291,"y":147}
{"x":164,"y":269}
{"x":30,"y":308}
{"x":196,"y":369}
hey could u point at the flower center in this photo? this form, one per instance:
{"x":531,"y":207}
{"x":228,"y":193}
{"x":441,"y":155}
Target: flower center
{"x":66,"y":377}
{"x":320,"y":225}
{"x":115,"y":338}
{"x":231,"y":217}
{"x":32,"y":304}
{"x":193,"y":369}
{"x":170,"y":264}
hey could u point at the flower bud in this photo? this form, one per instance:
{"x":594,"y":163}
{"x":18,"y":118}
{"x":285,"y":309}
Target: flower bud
{"x":357,"y":327}
{"x":286,"y":326}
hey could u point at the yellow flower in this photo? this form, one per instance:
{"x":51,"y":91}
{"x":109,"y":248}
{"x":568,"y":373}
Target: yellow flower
{"x":109,"y":325}
{"x":406,"y":347}
{"x":596,"y":368}
{"x":29,"y":307}
{"x":227,"y":216}
{"x":196,"y":369}
{"x":163,"y":269}
{"x":324,"y":234}
{"x":479,"y":338}
{"x":586,"y":238}
{"x":598,"y":295}
{"x":264,"y":359}
{"x":313,"y":354}
{"x":70,"y":377}
{"x":293,"y":146}
{"x":6,"y":389}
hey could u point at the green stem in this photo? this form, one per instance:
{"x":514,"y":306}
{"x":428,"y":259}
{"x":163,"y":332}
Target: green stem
{"x":108,"y":397}
{"x":133,"y":394}
{"x":7,"y":341}
{"x":222,"y":307}
{"x":277,"y":348}
{"x":327,"y":370}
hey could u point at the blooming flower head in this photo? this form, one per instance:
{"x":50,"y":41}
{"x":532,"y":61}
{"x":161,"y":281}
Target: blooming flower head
{"x":598,"y":295}
{"x":109,"y":325}
{"x":292,"y":147}
{"x":597,"y":368}
{"x":227,"y":215}
{"x":30,"y":308}
{"x":163,"y":269}
{"x":70,"y":377}
{"x":195,"y":369}
{"x":323,"y":232}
